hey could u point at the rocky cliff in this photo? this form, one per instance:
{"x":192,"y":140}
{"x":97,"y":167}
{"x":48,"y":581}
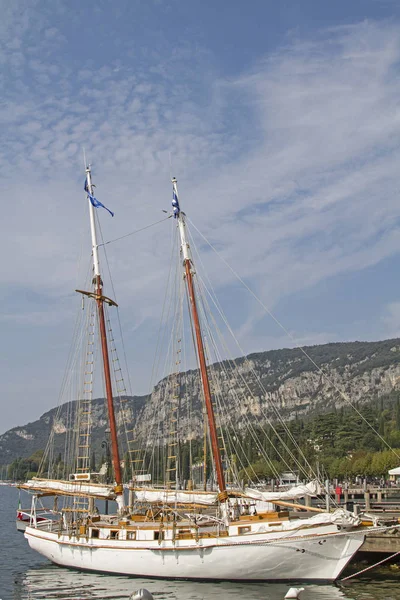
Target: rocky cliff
{"x":263,"y":383}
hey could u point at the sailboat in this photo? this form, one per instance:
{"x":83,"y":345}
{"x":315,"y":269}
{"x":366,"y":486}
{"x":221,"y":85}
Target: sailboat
{"x":212,"y":531}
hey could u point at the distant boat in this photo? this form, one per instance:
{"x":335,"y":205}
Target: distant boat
{"x":168,"y":529}
{"x":24,"y":518}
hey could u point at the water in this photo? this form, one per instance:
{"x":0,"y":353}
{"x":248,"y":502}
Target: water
{"x":25,"y":575}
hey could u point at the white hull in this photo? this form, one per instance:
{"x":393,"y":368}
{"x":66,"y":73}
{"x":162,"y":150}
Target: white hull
{"x":313,"y":557}
{"x":21,"y":525}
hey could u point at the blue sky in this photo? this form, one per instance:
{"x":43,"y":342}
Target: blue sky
{"x":283,"y":123}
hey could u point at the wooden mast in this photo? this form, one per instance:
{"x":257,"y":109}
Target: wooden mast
{"x":187,"y":263}
{"x":107,"y":377}
{"x":100,"y":299}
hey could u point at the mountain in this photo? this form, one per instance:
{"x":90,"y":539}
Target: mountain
{"x":276,"y":380}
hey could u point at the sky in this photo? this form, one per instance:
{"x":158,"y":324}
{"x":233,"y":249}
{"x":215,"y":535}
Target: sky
{"x":281,"y":121}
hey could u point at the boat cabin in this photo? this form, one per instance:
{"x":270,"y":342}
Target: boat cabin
{"x":288,"y":479}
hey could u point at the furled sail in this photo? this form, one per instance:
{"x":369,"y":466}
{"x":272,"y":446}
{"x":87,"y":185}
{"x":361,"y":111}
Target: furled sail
{"x":165,"y":496}
{"x":69,"y":488}
{"x":340,"y":517}
{"x":175,"y":496}
{"x":310,"y":489}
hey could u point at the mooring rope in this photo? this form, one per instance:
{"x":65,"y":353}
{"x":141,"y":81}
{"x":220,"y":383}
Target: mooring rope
{"x":370,"y":567}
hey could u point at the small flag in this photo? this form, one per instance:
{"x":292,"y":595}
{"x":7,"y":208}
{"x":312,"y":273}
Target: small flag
{"x":96,"y":203}
{"x":175,"y":204}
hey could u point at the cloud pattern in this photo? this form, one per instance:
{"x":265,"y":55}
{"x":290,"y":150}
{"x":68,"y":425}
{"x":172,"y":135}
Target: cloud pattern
{"x":290,"y":168}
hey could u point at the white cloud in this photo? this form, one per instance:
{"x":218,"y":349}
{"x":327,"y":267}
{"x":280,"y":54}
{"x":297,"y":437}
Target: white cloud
{"x":291,"y":169}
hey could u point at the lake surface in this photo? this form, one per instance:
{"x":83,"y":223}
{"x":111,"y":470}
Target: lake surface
{"x":25,"y":575}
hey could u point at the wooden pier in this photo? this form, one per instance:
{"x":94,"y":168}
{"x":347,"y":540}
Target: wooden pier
{"x":383,"y":503}
{"x":366,"y":499}
{"x":385,"y":542}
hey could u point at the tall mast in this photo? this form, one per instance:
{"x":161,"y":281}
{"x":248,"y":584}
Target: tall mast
{"x":100,"y":299}
{"x":188,"y":266}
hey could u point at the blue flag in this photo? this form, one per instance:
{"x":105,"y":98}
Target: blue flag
{"x":175,"y":204}
{"x":96,"y":203}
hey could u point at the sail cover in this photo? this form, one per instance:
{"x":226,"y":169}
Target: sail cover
{"x":310,"y":489}
{"x":175,"y":496}
{"x":161,"y":496}
{"x":69,"y":488}
{"x":339,"y":517}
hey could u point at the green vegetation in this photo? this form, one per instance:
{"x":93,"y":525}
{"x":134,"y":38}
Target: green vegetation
{"x":22,"y":469}
{"x":345,"y":443}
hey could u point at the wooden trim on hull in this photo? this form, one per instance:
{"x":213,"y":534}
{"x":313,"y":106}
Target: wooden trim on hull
{"x":177,"y":548}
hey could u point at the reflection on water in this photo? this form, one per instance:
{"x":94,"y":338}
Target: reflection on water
{"x":51,"y":582}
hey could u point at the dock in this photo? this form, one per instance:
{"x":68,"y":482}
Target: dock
{"x":382,"y":502}
{"x":383,"y":542}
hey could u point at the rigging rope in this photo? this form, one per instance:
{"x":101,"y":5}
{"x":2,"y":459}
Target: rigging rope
{"x":120,"y":389}
{"x":297,"y":346}
{"x":152,"y":452}
{"x":234,"y":369}
{"x":136,"y":231}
